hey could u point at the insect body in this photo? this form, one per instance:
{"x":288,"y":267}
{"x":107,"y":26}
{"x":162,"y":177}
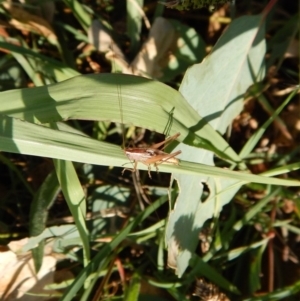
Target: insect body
{"x":152,"y":155}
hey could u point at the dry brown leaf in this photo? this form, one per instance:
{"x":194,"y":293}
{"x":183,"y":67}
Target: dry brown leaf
{"x":101,"y":39}
{"x":288,"y":206}
{"x":153,"y":56}
{"x":17,"y":275}
{"x":293,"y":49}
{"x":292,"y":119}
{"x":216,"y":20}
{"x":23,"y":20}
{"x":155,"y":52}
{"x":173,"y":252}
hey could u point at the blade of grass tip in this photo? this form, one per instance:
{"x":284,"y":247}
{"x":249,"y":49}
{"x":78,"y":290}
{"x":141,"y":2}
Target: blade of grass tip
{"x":291,"y":228}
{"x":250,"y":144}
{"x":256,"y":267}
{"x":235,"y":253}
{"x":281,"y":170}
{"x":97,"y":261}
{"x":39,"y":208}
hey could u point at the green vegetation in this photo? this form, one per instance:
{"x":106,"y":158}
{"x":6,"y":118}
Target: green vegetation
{"x":70,"y":102}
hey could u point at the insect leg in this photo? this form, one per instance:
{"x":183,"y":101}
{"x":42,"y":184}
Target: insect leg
{"x":126,"y":169}
{"x":163,"y":158}
{"x":149,"y":171}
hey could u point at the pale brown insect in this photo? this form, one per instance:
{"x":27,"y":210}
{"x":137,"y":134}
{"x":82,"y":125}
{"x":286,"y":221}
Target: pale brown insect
{"x":152,"y":155}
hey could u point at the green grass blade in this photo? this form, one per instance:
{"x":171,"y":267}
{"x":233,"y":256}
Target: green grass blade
{"x":145,"y":103}
{"x":134,"y":22}
{"x":42,"y":201}
{"x":75,"y":198}
{"x":215,"y":90}
{"x":133,"y":290}
{"x":26,"y":138}
{"x":80,"y":13}
{"x":51,"y":67}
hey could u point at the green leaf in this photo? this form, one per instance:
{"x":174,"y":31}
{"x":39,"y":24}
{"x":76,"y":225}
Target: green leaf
{"x":214,"y":89}
{"x":133,"y":290}
{"x":51,"y":69}
{"x":190,"y":50}
{"x":64,"y":231}
{"x":256,"y":269}
{"x":75,"y":198}
{"x":42,"y":201}
{"x":134,"y":22}
{"x":26,"y":138}
{"x":119,"y":98}
{"x":80,"y":13}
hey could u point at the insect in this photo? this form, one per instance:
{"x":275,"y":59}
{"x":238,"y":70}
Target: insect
{"x":147,"y":155}
{"x":152,"y":155}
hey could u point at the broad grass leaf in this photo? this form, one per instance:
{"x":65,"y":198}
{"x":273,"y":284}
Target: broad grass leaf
{"x":190,"y":49}
{"x":22,"y":137}
{"x":215,"y":89}
{"x":144,"y":103}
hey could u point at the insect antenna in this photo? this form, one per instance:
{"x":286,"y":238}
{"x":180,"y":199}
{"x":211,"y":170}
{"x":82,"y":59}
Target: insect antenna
{"x":119,"y":92}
